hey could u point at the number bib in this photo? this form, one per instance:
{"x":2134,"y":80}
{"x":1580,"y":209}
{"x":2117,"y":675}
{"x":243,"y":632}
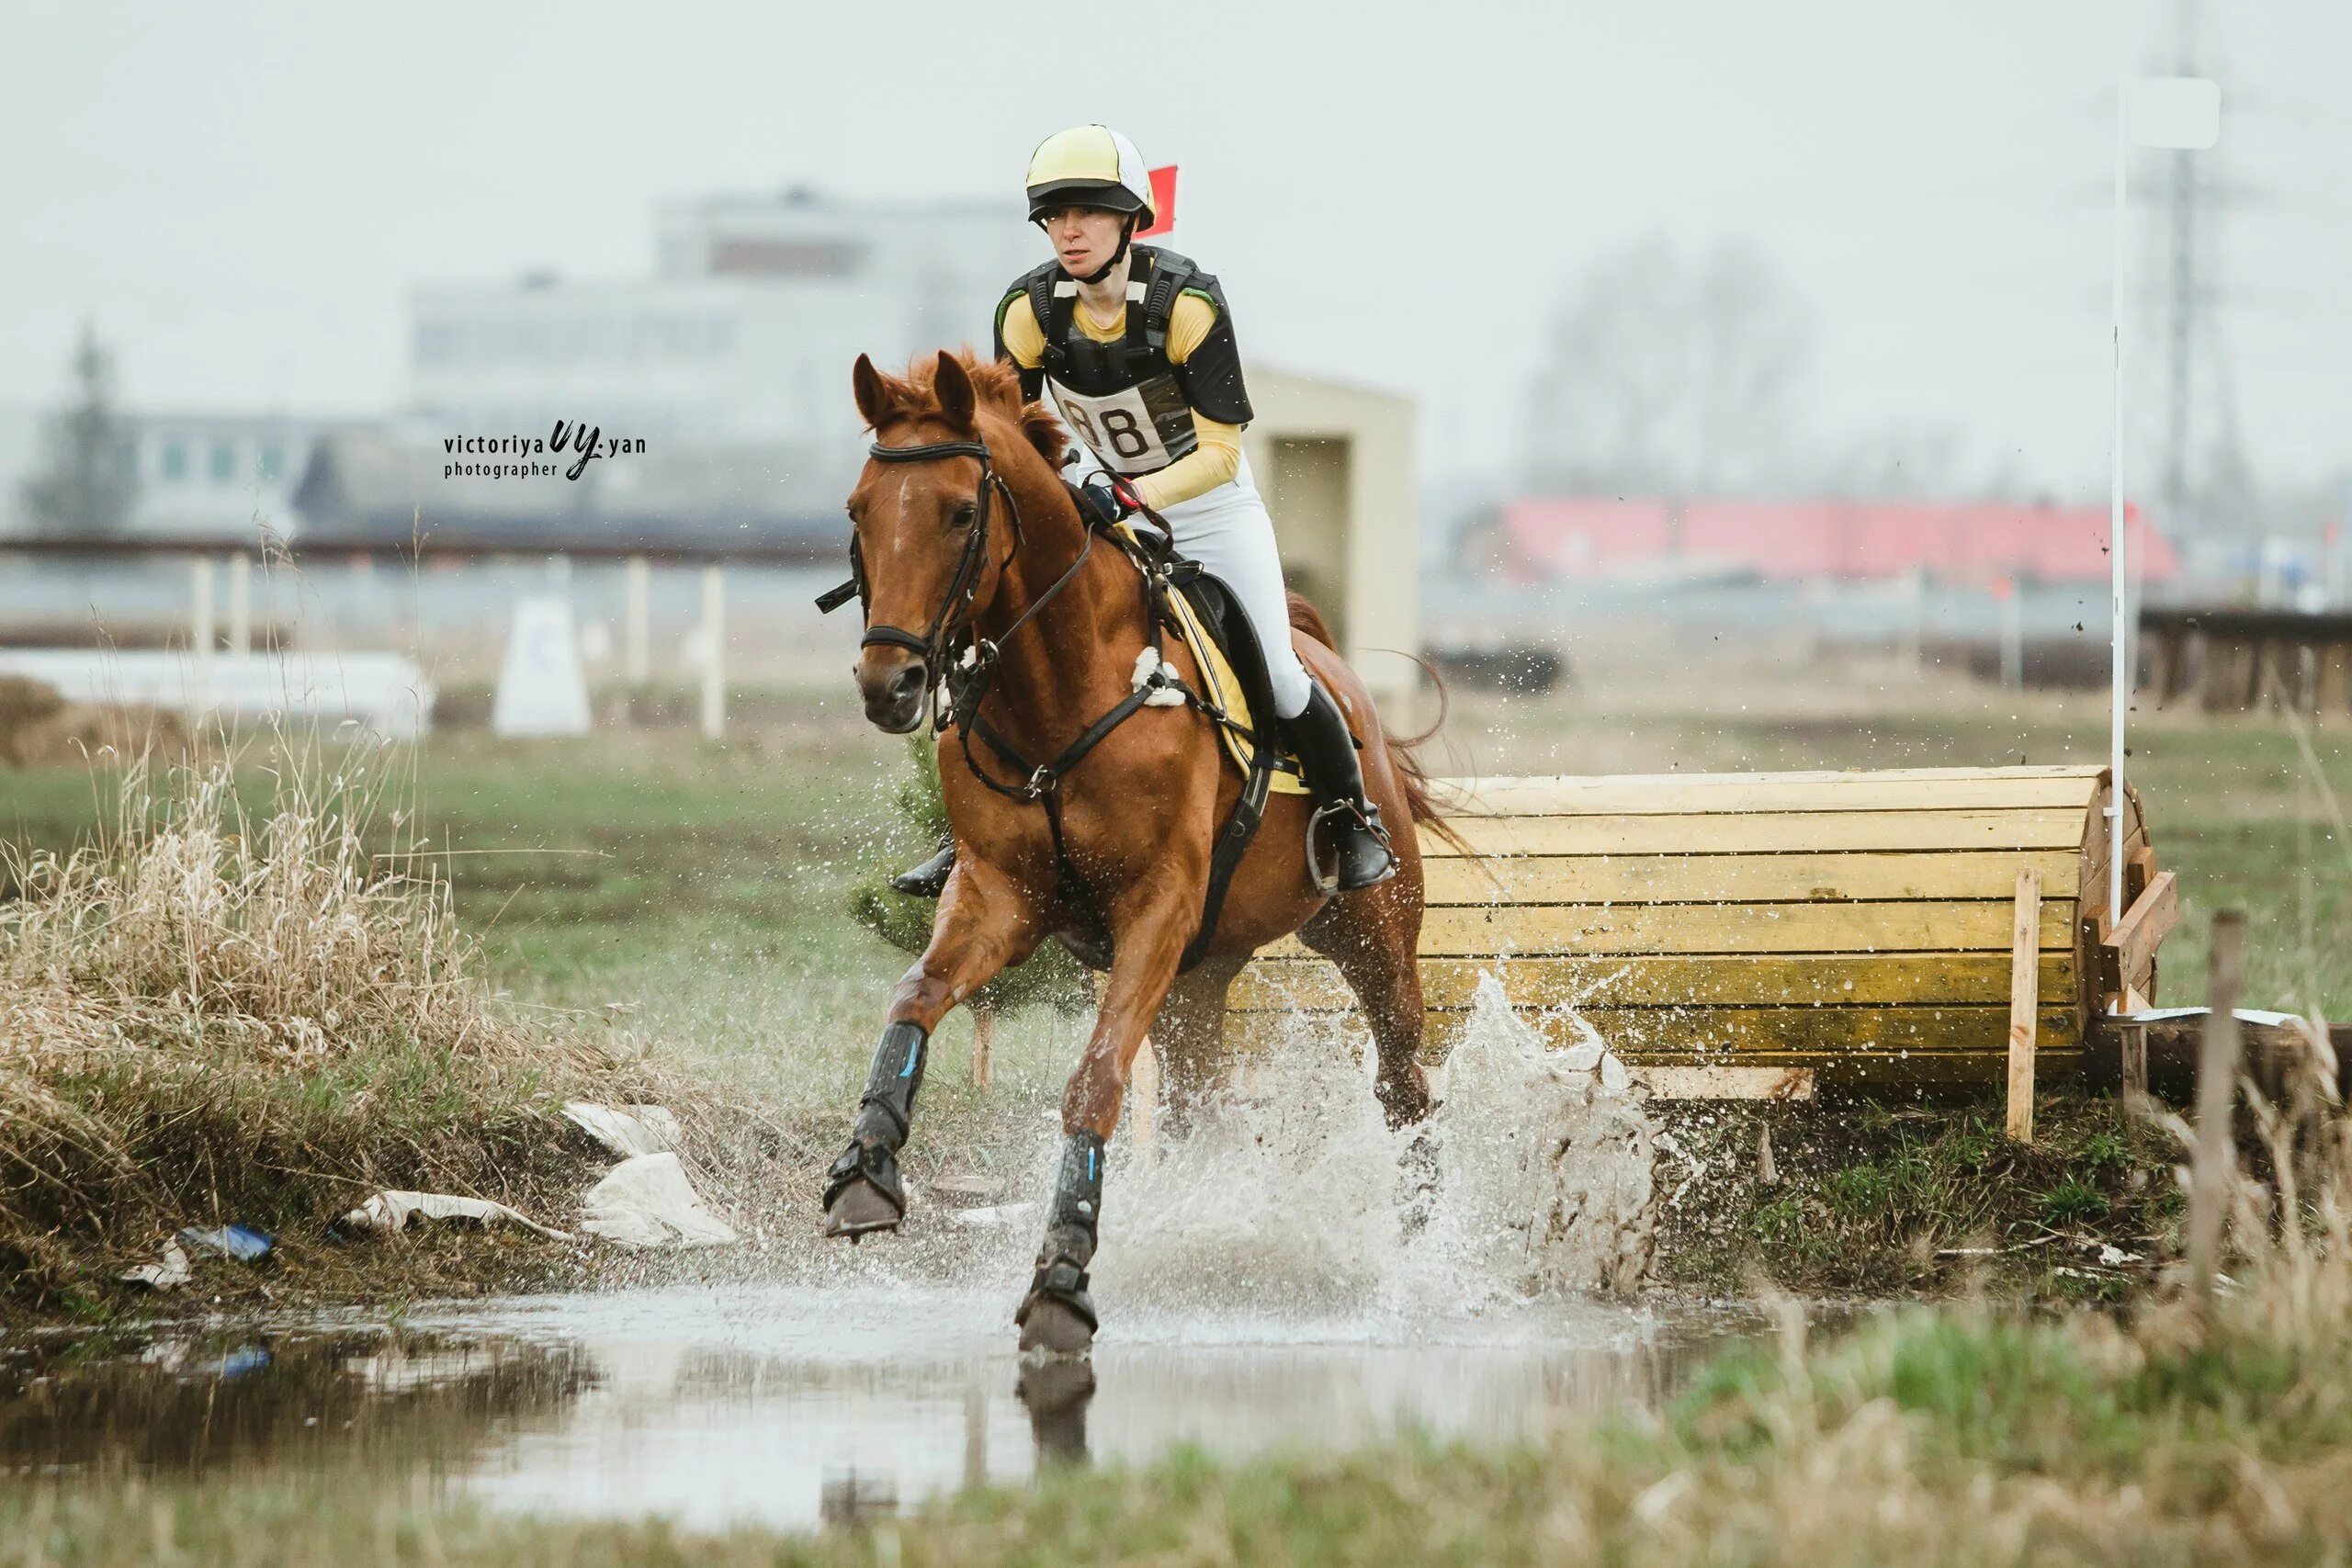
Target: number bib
{"x":1136,"y":430}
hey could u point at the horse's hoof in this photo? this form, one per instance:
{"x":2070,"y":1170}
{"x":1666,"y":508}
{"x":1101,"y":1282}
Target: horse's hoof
{"x":1055,"y":1328}
{"x":1050,"y":1384}
{"x":860,"y":1208}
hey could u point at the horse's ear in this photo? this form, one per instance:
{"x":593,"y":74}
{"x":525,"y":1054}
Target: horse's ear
{"x":953,"y":386}
{"x":875,"y":397}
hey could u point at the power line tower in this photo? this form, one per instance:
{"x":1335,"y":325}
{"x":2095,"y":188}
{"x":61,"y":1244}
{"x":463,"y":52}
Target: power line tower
{"x":2196,"y":368}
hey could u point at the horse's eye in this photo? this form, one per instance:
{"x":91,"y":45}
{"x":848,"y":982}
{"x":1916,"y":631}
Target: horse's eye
{"x":963,"y":515}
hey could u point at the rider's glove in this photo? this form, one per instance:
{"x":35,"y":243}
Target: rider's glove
{"x":1107,"y":498}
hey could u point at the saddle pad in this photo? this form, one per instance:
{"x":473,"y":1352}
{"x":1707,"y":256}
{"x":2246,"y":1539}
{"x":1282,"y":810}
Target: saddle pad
{"x":1224,"y":688}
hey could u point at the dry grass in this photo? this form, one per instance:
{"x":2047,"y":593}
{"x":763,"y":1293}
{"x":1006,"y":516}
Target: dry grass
{"x":212,"y":1010}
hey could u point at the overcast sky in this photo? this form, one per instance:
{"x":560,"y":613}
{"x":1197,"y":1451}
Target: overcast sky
{"x":239,"y":193}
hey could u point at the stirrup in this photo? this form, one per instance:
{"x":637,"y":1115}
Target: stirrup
{"x":1362,"y":823}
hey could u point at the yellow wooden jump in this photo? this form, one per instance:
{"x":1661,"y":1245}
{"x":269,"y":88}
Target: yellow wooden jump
{"x":1853,"y":927}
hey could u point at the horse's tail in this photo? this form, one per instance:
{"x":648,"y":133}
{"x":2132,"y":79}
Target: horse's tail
{"x":1403,"y":751}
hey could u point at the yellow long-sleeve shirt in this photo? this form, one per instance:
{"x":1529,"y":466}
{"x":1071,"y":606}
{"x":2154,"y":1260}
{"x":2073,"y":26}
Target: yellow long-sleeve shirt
{"x":1215,"y":461}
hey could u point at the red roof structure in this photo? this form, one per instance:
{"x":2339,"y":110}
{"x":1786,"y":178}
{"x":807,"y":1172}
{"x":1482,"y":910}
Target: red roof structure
{"x":1578,"y":538}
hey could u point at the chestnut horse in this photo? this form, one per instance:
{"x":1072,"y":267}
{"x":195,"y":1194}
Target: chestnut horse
{"x":978,"y":573}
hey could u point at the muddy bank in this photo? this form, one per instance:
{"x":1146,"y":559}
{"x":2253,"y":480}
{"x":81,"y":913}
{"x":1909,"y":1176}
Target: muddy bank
{"x":1872,"y":1200}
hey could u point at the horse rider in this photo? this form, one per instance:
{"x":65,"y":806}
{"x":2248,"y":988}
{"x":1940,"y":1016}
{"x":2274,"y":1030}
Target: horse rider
{"x":1136,"y":344}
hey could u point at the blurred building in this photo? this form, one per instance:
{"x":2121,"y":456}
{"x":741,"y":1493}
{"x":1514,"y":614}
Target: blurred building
{"x":746,"y":331}
{"x":211,"y":475}
{"x":203,"y":473}
{"x":730,"y":361}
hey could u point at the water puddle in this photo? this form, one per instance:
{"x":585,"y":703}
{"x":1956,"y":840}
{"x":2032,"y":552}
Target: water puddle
{"x":1288,"y":1274}
{"x":791,"y":1405}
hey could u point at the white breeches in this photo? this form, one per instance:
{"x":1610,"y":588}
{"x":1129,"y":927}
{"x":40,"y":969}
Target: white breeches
{"x":1227,"y":530}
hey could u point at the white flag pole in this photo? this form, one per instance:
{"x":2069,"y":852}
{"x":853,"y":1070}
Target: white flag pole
{"x":2183,"y":113}
{"x":2116,"y":630}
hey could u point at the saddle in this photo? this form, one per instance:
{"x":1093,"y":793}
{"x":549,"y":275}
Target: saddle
{"x":1235,"y":687}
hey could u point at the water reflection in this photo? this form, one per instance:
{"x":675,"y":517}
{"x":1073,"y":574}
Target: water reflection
{"x":1055,"y":1395}
{"x":189,"y":1404}
{"x":794,"y":1406}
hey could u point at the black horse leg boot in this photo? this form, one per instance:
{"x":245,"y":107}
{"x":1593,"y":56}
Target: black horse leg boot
{"x":1359,"y":842}
{"x":1057,"y":1316}
{"x":862,"y":1190}
{"x":928,"y":880}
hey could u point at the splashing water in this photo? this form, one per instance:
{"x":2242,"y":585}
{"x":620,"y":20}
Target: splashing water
{"x":1290,"y":1206}
{"x":1293,"y":1198}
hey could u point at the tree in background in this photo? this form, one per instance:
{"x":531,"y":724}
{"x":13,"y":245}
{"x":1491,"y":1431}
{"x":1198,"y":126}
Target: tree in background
{"x":88,"y":477}
{"x":1664,"y":378}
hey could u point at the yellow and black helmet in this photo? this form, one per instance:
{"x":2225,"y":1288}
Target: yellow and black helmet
{"x":1089,"y":165}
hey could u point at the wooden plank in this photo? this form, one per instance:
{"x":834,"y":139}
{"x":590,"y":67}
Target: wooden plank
{"x":983,"y":1045}
{"x":1700,"y":1035}
{"x":1887,"y":926}
{"x":1882,"y":1072}
{"x":2130,"y":950}
{"x":1673,"y":981}
{"x":2024,"y":1001}
{"x":1674,"y":794}
{"x":1767,"y":832}
{"x":2134,"y":1041}
{"x":1728,"y":1083}
{"x":2092,"y":890}
{"x":1740,"y":879}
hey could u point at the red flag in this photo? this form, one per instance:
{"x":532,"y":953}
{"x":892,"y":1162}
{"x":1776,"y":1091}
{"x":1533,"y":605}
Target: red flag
{"x":1163,"y":202}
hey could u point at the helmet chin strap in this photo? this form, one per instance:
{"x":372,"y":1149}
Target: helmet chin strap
{"x":1126,"y":233}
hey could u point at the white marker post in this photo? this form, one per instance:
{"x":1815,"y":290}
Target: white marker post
{"x":2183,"y":113}
{"x":714,"y":663}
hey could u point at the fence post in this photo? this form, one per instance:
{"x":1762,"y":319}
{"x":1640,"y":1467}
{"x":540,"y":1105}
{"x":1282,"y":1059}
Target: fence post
{"x":2025,"y":1001}
{"x":638,"y":636}
{"x":983,"y":1045}
{"x":2217,"y":1076}
{"x":201,"y":631}
{"x":714,"y":664}
{"x":2012,"y":634}
{"x":241,"y":604}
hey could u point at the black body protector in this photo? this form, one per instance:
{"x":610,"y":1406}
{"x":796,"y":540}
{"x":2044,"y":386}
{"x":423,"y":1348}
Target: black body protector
{"x":1131,"y":407}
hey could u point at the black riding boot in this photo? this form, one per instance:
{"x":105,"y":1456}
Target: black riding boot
{"x":861,"y":1189}
{"x":928,"y":880}
{"x":1328,"y":751}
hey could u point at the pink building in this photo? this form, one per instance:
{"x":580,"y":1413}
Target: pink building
{"x":1572,"y":539}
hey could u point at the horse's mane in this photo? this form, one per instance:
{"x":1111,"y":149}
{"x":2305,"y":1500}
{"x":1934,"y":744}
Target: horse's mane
{"x":998,"y":384}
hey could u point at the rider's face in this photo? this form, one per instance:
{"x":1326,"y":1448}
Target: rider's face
{"x":1083,"y":238}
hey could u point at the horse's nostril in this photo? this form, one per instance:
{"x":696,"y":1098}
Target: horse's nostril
{"x":908,"y":682}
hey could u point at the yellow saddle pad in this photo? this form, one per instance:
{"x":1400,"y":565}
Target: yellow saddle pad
{"x":1223,"y":687}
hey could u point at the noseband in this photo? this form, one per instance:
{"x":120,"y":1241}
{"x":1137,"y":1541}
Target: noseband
{"x":935,"y":644}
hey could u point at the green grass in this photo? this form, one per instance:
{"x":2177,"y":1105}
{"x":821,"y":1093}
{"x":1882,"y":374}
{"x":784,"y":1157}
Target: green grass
{"x":691,"y":902}
{"x":1868,"y":1196}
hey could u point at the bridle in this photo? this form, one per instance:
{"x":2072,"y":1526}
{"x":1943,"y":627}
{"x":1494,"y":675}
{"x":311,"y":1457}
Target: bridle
{"x":936,"y":642}
{"x":950,"y":629}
